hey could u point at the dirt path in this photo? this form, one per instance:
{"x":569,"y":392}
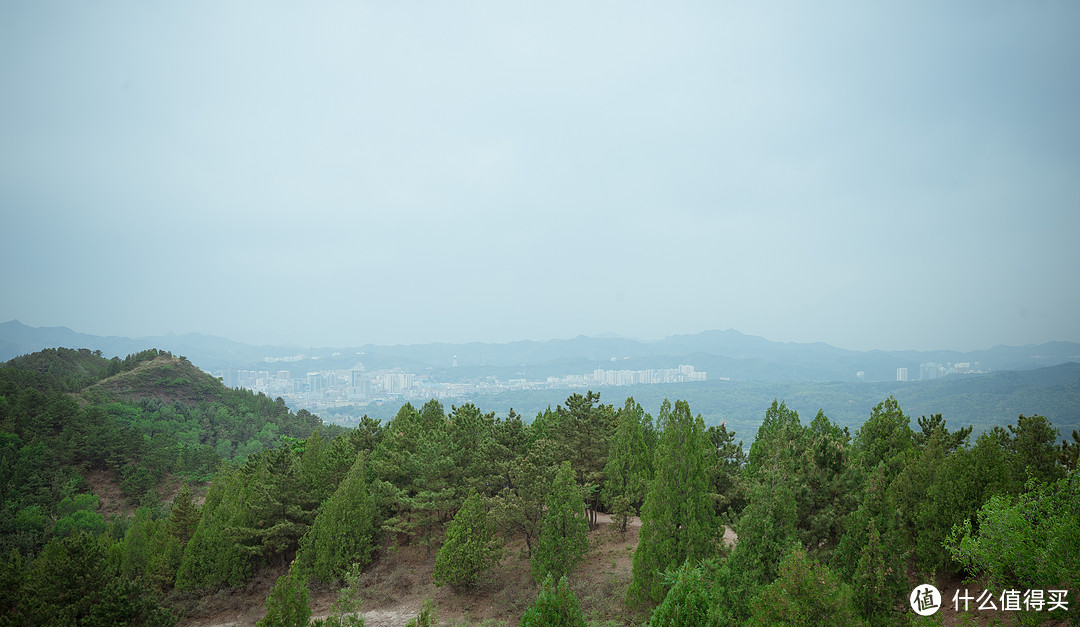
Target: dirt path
{"x":607,"y":519}
{"x":730,"y":538}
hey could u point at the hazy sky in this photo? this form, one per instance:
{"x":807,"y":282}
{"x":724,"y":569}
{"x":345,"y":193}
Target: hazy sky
{"x":902,"y":175}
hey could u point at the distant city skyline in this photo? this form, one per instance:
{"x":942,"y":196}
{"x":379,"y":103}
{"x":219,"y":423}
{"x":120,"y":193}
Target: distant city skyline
{"x":896,"y":176}
{"x":460,"y":370}
{"x":357,"y":388}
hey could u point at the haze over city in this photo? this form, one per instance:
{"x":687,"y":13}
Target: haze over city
{"x":875,"y":177}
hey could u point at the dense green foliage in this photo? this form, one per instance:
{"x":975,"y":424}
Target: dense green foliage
{"x":556,"y":606}
{"x":838,"y":530}
{"x":471,"y":546}
{"x":579,"y":432}
{"x":629,"y":463}
{"x":832,"y":527}
{"x":1030,"y":541}
{"x":212,"y":556}
{"x":75,"y":581}
{"x":805,"y":593}
{"x":678,"y":521}
{"x":66,"y":413}
{"x":287,"y":604}
{"x":344,"y":532}
{"x":140,"y":422}
{"x":564,"y":531}
{"x":688,"y":601}
{"x":525,"y":471}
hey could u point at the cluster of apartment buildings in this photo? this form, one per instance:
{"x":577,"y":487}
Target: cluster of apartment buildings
{"x":930,"y":370}
{"x":682,"y":374}
{"x":358,"y":386}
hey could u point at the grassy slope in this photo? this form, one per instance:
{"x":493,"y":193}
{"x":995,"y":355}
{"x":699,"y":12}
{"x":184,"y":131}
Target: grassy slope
{"x":165,"y":378}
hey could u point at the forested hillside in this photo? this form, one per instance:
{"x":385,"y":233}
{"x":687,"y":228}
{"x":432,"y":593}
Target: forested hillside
{"x":834,"y":526}
{"x":141,"y":425}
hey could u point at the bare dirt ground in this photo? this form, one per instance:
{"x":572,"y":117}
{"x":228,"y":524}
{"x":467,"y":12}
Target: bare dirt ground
{"x":114,"y":502}
{"x":242,"y":606}
{"x":395,"y":586}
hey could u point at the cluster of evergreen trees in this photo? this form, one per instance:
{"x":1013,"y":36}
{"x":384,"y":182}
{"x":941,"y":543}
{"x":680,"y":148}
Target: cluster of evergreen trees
{"x":832,"y":527}
{"x":838,"y":529}
{"x":60,"y":421}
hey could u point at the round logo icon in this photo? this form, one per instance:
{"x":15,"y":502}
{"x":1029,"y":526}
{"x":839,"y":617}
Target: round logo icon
{"x":925,"y":600}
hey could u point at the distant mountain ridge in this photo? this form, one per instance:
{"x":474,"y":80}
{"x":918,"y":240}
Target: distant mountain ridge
{"x":17,"y":339}
{"x":727,"y":353}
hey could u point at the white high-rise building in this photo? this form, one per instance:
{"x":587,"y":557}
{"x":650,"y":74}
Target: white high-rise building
{"x":901,"y":374}
{"x":929,"y":371}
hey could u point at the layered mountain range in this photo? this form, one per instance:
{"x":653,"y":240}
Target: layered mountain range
{"x":723,"y":354}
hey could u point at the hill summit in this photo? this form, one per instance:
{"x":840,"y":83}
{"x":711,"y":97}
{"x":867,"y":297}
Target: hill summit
{"x":166,"y":378}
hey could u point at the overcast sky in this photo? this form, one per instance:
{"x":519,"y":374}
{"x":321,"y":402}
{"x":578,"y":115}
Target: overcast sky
{"x":898,"y":176}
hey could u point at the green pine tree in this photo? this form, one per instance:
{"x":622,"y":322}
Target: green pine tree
{"x":872,"y":598}
{"x":345,"y":532}
{"x":179,"y":527}
{"x":519,"y":505}
{"x":678,"y":521}
{"x":278,"y":510}
{"x":580,"y":433}
{"x":184,"y":516}
{"x":413,"y":465}
{"x":872,"y":554}
{"x":471,"y":546}
{"x":563,"y":531}
{"x":688,"y":602}
{"x":213,"y":557}
{"x":287,"y":604}
{"x":886,"y":437}
{"x":556,"y":606}
{"x":806,"y":593}
{"x":629,"y":466}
